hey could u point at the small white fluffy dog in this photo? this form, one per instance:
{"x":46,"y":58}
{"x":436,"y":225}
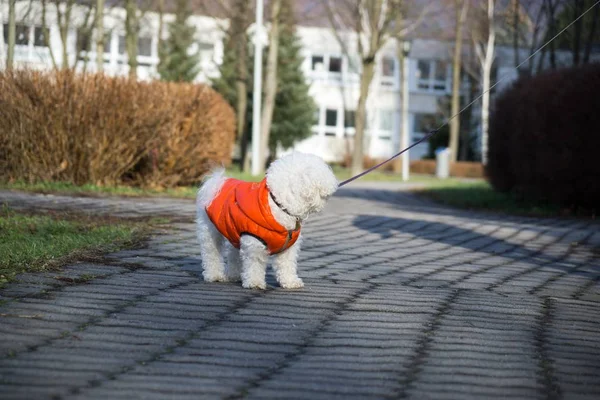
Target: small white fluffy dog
{"x":248,"y":221}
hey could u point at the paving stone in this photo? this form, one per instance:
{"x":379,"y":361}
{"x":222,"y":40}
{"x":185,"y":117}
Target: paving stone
{"x":402,"y":299}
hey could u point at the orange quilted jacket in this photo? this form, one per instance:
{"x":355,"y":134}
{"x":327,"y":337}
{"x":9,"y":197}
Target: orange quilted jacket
{"x":243,"y":208}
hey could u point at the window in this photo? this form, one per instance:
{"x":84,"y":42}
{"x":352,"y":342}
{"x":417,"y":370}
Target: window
{"x":22,"y":35}
{"x":206,"y":51}
{"x":317,"y":63}
{"x":425,"y":123}
{"x":387,"y":67}
{"x":330,"y":122}
{"x":331,"y":118}
{"x":84,"y":40}
{"x":335,"y":64}
{"x":440,"y":70}
{"x":350,"y":119}
{"x":122,"y":46}
{"x":386,"y":124}
{"x":145,"y":46}
{"x":39,"y":36}
{"x":349,"y":122}
{"x":107,"y":43}
{"x":424,"y":70}
{"x":432,"y":75}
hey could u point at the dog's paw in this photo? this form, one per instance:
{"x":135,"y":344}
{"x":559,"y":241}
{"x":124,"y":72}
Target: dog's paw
{"x":295,"y":283}
{"x":214,"y":277}
{"x":255,"y":285}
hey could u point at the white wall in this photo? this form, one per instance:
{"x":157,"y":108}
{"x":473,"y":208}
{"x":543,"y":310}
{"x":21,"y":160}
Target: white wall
{"x":429,"y":73}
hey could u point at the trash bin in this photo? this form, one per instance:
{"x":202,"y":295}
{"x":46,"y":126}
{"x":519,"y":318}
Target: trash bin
{"x":442,"y":165}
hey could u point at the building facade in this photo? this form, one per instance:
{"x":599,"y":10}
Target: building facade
{"x":334,"y":75}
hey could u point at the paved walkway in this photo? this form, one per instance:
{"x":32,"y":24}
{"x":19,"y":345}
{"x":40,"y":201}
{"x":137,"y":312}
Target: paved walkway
{"x":403,"y":299}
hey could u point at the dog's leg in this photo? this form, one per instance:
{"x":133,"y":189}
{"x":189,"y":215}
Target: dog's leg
{"x":285,"y":266}
{"x":233,"y":269}
{"x":254,"y":257}
{"x":211,"y":241}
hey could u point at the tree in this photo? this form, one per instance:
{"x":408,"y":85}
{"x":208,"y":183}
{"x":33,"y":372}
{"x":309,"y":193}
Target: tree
{"x":484,"y":42}
{"x":225,"y":83}
{"x":12,"y":24}
{"x":132,"y":20}
{"x":46,"y":33}
{"x":270,"y":80}
{"x":233,"y":81}
{"x":294,"y":111}
{"x":462,"y":8}
{"x":585,"y":31}
{"x":176,"y":63}
{"x":372,"y":20}
{"x":99,"y":35}
{"x":372,"y":23}
{"x":294,"y":108}
{"x":551,"y":6}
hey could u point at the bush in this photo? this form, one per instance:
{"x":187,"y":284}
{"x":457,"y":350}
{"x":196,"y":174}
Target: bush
{"x":200,"y":135}
{"x":62,"y":126}
{"x":543,"y":139}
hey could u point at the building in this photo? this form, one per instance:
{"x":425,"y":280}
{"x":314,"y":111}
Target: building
{"x":333,"y":75}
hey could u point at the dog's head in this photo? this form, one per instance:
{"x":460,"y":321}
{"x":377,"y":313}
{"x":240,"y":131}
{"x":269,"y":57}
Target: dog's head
{"x":302,"y":183}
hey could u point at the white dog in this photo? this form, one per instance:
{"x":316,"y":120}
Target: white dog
{"x":249,"y":221}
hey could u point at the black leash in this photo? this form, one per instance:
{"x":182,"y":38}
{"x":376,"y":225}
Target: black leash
{"x":424,"y":138}
{"x":433,"y":132}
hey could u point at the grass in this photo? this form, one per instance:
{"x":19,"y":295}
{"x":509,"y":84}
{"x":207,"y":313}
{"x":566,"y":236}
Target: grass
{"x":95,"y":190}
{"x":479,"y":195}
{"x":472,"y":194}
{"x":30,"y":243}
{"x":382,"y":176}
{"x":184,"y":191}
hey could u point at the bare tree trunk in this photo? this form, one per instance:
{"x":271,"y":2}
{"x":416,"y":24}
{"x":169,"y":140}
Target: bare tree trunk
{"x":461,"y":16}
{"x":47,"y":35}
{"x":12,"y":30}
{"x":161,"y":28}
{"x":577,"y":11}
{"x":99,"y":35}
{"x":516,"y":31}
{"x":239,"y":37}
{"x":374,"y":21}
{"x":591,"y":33}
{"x":397,"y":163}
{"x":242,"y":99}
{"x":86,"y":29}
{"x":551,"y":9}
{"x":486,"y":70}
{"x":270,"y":82}
{"x":64,"y":24}
{"x":533,"y":45}
{"x":467,"y":115}
{"x":131,"y":36}
{"x":368,"y":71}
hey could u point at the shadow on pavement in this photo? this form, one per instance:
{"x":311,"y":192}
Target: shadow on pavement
{"x":440,"y":232}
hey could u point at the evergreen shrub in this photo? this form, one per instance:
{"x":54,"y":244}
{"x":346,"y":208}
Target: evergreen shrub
{"x":544,"y":139}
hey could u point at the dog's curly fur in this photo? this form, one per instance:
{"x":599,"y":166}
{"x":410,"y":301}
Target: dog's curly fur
{"x":302,"y":184}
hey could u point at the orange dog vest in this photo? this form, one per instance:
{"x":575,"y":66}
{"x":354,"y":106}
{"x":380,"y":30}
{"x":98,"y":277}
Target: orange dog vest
{"x":243,"y":208}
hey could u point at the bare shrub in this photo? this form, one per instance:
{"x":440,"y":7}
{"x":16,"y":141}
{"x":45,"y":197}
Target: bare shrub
{"x":62,"y":126}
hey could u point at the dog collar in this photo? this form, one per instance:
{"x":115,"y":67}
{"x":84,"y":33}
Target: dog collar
{"x":278,"y":204}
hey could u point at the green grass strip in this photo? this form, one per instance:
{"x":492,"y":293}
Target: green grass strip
{"x":39,"y":242}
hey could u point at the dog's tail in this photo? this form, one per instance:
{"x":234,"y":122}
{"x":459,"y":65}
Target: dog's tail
{"x":211,"y":185}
